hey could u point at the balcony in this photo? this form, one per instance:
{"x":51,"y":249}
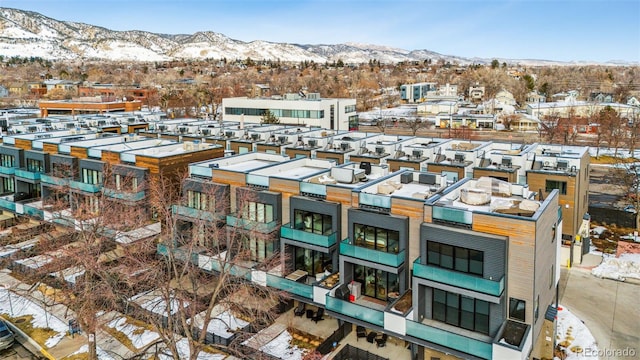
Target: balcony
{"x":360,"y":312}
{"x":458,"y":279}
{"x":264,"y":228}
{"x":363,"y":253}
{"x":53,"y":180}
{"x":122,"y":195}
{"x":7,"y":170}
{"x":290,"y":286}
{"x":451,"y":215}
{"x":451,"y":340}
{"x":26,"y":174}
{"x":33,"y":211}
{"x":7,"y":204}
{"x":194,"y":213}
{"x":180,"y":254}
{"x":286,"y":231}
{"x":79,"y":185}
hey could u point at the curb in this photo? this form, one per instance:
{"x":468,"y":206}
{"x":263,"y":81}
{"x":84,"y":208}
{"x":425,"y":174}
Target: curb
{"x":29,"y":344}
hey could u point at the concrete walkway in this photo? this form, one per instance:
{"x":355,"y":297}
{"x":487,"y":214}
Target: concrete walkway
{"x":608,"y":308}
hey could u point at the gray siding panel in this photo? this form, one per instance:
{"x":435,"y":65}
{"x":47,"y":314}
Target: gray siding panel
{"x":494,"y":248}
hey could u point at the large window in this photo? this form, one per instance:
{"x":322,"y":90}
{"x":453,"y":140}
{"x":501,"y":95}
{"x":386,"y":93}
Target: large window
{"x":455,"y":258}
{"x":376,"y":283}
{"x":555,"y":184}
{"x":200,"y":201}
{"x":126,"y":183}
{"x":517,"y":309}
{"x":377,"y":238}
{"x":91,"y":176}
{"x":311,"y":261}
{"x":7,"y":160}
{"x":461,"y":311}
{"x":34,"y":165}
{"x":7,"y":185}
{"x":259,"y":212}
{"x":313,"y":222}
{"x":259,"y":249}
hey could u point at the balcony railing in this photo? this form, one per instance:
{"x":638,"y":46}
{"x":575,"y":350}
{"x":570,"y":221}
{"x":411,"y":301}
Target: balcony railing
{"x":290,"y":286}
{"x":79,"y":185}
{"x":363,"y":253}
{"x":7,"y":204}
{"x":461,"y":280}
{"x":286,"y":231}
{"x":26,"y":174}
{"x":53,"y":180}
{"x":451,"y":340}
{"x":121,"y":195}
{"x":260,"y":227}
{"x":360,"y":312}
{"x":452,"y":215}
{"x":7,"y":170}
{"x":33,"y":211}
{"x":194,"y":213}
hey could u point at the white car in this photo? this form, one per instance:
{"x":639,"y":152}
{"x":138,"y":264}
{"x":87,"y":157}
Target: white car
{"x":6,"y":336}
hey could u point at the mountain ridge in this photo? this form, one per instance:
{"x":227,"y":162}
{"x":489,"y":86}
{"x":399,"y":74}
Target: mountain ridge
{"x":29,"y":32}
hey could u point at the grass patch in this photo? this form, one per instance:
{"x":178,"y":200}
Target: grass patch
{"x":81,"y":356}
{"x":610,"y":160}
{"x":24,"y":323}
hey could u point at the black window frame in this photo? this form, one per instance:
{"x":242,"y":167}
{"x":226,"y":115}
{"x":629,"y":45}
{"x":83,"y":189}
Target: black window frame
{"x":460,"y":311}
{"x":514,"y":312}
{"x":551,"y":185}
{"x":455,"y":258}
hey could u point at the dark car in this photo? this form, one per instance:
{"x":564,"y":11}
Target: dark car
{"x":6,"y":336}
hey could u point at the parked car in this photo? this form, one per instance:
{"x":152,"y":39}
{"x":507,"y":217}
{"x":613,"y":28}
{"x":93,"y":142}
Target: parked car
{"x":6,"y":336}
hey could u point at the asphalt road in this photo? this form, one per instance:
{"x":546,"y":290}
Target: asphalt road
{"x":607,"y":307}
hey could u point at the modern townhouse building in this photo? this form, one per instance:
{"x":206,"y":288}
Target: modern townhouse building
{"x":414,"y":93}
{"x":293,"y":109}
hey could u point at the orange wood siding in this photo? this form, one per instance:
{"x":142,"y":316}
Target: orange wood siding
{"x":23,"y":144}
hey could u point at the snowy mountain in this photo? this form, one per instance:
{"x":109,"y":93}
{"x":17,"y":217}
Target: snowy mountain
{"x":27,"y":33}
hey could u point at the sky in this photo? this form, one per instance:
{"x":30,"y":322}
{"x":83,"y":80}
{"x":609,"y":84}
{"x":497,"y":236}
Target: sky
{"x":561,"y":30}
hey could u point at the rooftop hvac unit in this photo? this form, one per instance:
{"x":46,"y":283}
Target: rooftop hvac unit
{"x":506,"y":162}
{"x":228,"y":134}
{"x":458,"y":158}
{"x":344,"y":146}
{"x":255,"y":137}
{"x":313,"y":143}
{"x":205,"y":132}
{"x":282,"y":139}
{"x":162,"y":127}
{"x":379,"y":150}
{"x":182,"y":130}
{"x":417,"y":154}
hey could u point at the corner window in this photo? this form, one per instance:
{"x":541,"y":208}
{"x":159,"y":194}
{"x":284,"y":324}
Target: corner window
{"x":517,"y":309}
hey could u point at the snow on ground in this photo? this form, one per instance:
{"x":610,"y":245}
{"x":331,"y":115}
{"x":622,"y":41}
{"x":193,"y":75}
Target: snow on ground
{"x":280,"y":347}
{"x":574,"y":337}
{"x":16,"y":306}
{"x":102,"y":355}
{"x":183,"y":352}
{"x":626,"y":266}
{"x":139,"y":337}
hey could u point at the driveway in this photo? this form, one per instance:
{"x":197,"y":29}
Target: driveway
{"x":609,"y":308}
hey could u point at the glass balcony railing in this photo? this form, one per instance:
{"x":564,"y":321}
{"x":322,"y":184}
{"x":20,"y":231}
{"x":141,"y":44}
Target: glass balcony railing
{"x":260,"y":227}
{"x":290,"y":286}
{"x":451,"y":340}
{"x":53,"y":180}
{"x":78,"y":185}
{"x":7,"y":170}
{"x":286,"y":231}
{"x":452,"y":215}
{"x":33,"y":211}
{"x":7,"y":204}
{"x":121,"y":195}
{"x":461,"y":280}
{"x":180,"y":254}
{"x":363,"y":253}
{"x":193,"y":213}
{"x":363,"y":313}
{"x":26,"y":174}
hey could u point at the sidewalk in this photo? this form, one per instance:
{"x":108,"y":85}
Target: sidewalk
{"x":67,"y":345}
